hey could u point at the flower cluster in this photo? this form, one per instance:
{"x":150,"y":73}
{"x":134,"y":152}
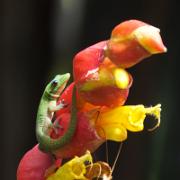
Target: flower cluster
{"x":102,"y":84}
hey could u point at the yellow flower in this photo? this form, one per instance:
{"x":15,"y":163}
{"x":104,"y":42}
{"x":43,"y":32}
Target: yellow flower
{"x":113,"y":124}
{"x":82,"y":168}
{"x":73,"y":169}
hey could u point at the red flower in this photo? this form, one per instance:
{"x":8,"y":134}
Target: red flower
{"x":103,"y":87}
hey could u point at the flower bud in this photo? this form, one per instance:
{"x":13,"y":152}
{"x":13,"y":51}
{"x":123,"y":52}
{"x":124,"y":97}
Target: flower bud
{"x":132,"y":41}
{"x":33,"y":165}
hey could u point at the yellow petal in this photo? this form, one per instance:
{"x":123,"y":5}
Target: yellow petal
{"x":114,"y":132}
{"x":107,"y":76}
{"x":121,"y":78}
{"x":73,"y":169}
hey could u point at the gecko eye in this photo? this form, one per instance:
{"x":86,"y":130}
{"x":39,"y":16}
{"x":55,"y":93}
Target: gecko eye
{"x":54,"y":83}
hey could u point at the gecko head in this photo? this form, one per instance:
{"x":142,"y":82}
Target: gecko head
{"x":56,"y":86}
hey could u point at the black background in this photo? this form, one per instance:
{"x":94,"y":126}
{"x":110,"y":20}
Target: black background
{"x":39,"y":39}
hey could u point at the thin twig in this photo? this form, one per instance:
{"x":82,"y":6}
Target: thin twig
{"x":117,"y":156}
{"x":107,"y":152}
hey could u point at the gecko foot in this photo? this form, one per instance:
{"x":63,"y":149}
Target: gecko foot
{"x":63,"y":104}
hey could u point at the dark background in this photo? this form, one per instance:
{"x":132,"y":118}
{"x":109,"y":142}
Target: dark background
{"x":39,"y":39}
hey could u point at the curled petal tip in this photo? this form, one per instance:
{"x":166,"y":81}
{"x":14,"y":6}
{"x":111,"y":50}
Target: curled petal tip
{"x":156,"y":112}
{"x":149,"y":37}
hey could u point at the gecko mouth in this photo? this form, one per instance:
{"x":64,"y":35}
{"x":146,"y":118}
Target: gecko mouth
{"x":59,"y":91}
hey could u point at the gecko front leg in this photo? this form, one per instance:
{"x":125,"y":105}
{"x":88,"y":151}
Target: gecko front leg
{"x":53,"y":107}
{"x":55,"y":122}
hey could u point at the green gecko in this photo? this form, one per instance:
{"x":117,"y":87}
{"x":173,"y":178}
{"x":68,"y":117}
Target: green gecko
{"x":45,"y":113}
